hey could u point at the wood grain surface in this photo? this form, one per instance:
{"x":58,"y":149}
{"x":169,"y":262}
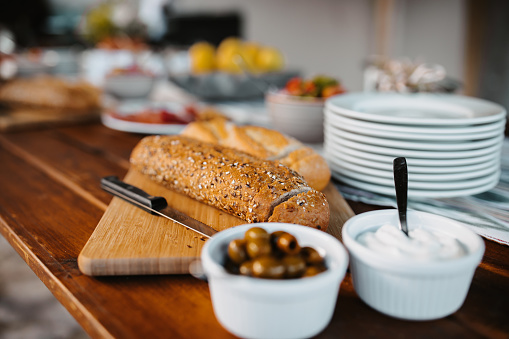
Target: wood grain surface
{"x":130,"y":241}
{"x":17,"y":119}
{"x":51,"y":202}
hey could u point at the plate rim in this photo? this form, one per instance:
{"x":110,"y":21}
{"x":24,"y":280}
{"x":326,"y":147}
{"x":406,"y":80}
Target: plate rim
{"x":363,"y":127}
{"x":419,"y":194}
{"x":415,"y":153}
{"x":420,"y":161}
{"x":412,"y":168}
{"x":138,"y":127}
{"x":414,"y":177}
{"x":423,"y":185}
{"x":128,"y":107}
{"x":412,"y":144}
{"x":334,"y":105}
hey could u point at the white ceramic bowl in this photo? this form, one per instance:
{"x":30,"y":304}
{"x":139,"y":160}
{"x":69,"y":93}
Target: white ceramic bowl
{"x":301,"y":118}
{"x":129,"y":85}
{"x":405,"y":288}
{"x":263,"y":308}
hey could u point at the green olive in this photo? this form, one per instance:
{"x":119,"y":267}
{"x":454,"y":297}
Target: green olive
{"x":255,"y":233}
{"x":246,"y":268}
{"x":294,"y":266}
{"x":268,"y":267}
{"x":288,"y":244}
{"x":273,"y":256}
{"x":276,"y":234}
{"x":237,"y":251}
{"x":258,"y":247}
{"x":273,"y":238}
{"x":313,"y":270}
{"x":311,"y":256}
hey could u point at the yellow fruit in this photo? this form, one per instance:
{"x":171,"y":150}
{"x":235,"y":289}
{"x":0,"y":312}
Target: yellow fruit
{"x":249,"y":54}
{"x":236,"y":56}
{"x":229,"y":43}
{"x":227,"y":50}
{"x":269,"y":59}
{"x":202,"y":56}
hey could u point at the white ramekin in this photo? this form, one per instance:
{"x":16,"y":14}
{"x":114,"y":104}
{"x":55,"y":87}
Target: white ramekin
{"x":405,"y":288}
{"x":263,"y":308}
{"x":301,"y":118}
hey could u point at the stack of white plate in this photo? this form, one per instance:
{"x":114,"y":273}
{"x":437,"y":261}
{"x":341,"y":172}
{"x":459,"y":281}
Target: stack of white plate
{"x":452,"y":143}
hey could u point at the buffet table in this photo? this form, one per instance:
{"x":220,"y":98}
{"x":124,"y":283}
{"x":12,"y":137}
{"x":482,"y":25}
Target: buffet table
{"x":51,"y":202}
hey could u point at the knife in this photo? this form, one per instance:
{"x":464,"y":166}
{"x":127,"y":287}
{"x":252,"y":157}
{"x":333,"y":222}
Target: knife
{"x":153,"y":204}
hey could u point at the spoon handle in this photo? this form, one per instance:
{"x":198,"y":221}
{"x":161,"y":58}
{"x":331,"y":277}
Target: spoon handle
{"x":401,"y":184}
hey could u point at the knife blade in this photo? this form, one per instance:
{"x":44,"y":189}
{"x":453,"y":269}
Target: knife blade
{"x":153,"y":204}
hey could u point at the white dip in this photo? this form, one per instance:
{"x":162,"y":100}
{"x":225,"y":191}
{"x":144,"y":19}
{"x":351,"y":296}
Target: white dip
{"x":421,"y":244}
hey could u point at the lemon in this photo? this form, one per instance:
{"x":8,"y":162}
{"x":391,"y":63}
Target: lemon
{"x":226,"y":53}
{"x":249,"y":53}
{"x":269,"y":59}
{"x":202,"y":56}
{"x":234,"y":55}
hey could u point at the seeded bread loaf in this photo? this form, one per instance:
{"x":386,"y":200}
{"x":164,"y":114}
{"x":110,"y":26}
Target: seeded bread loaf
{"x":253,"y":189}
{"x":266,"y":144}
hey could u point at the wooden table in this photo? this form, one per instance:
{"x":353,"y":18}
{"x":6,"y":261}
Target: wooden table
{"x":50,"y":203}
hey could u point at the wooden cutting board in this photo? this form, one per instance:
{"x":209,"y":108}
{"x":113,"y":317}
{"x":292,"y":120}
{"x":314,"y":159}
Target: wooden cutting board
{"x":130,"y":241}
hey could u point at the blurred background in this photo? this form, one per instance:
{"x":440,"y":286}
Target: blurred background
{"x":336,"y":37}
{"x":179,"y":42}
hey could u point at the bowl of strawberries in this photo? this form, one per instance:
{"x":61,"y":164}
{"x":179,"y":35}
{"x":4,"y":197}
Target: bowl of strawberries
{"x":297,"y":109}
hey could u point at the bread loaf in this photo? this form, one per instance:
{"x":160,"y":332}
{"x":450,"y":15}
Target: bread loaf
{"x":253,"y":189}
{"x":266,"y":144}
{"x":51,"y":93}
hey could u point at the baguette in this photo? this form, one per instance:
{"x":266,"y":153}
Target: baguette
{"x":266,"y":144}
{"x":253,"y":189}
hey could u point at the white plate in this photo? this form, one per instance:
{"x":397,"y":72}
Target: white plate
{"x":446,"y":130}
{"x":131,"y":107}
{"x":387,"y":164}
{"x":423,"y":185}
{"x":333,"y":148}
{"x":398,"y":152}
{"x":416,"y":193}
{"x":416,"y":109}
{"x":373,"y":129}
{"x":433,"y":178}
{"x":414,"y":145}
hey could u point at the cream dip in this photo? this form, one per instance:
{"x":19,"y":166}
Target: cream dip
{"x":421,"y":244}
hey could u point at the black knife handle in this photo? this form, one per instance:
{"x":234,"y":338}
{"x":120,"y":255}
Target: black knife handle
{"x":133,"y":194}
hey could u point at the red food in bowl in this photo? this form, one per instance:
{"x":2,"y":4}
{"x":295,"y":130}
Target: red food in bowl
{"x":318,"y":87}
{"x":158,"y":116}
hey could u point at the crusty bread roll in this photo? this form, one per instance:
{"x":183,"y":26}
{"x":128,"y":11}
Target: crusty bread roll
{"x":266,"y":144}
{"x":253,"y":189}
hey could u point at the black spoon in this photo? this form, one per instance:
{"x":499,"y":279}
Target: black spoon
{"x":401,"y":185}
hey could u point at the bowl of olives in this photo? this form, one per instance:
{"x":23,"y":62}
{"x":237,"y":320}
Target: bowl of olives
{"x":274,"y":280}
